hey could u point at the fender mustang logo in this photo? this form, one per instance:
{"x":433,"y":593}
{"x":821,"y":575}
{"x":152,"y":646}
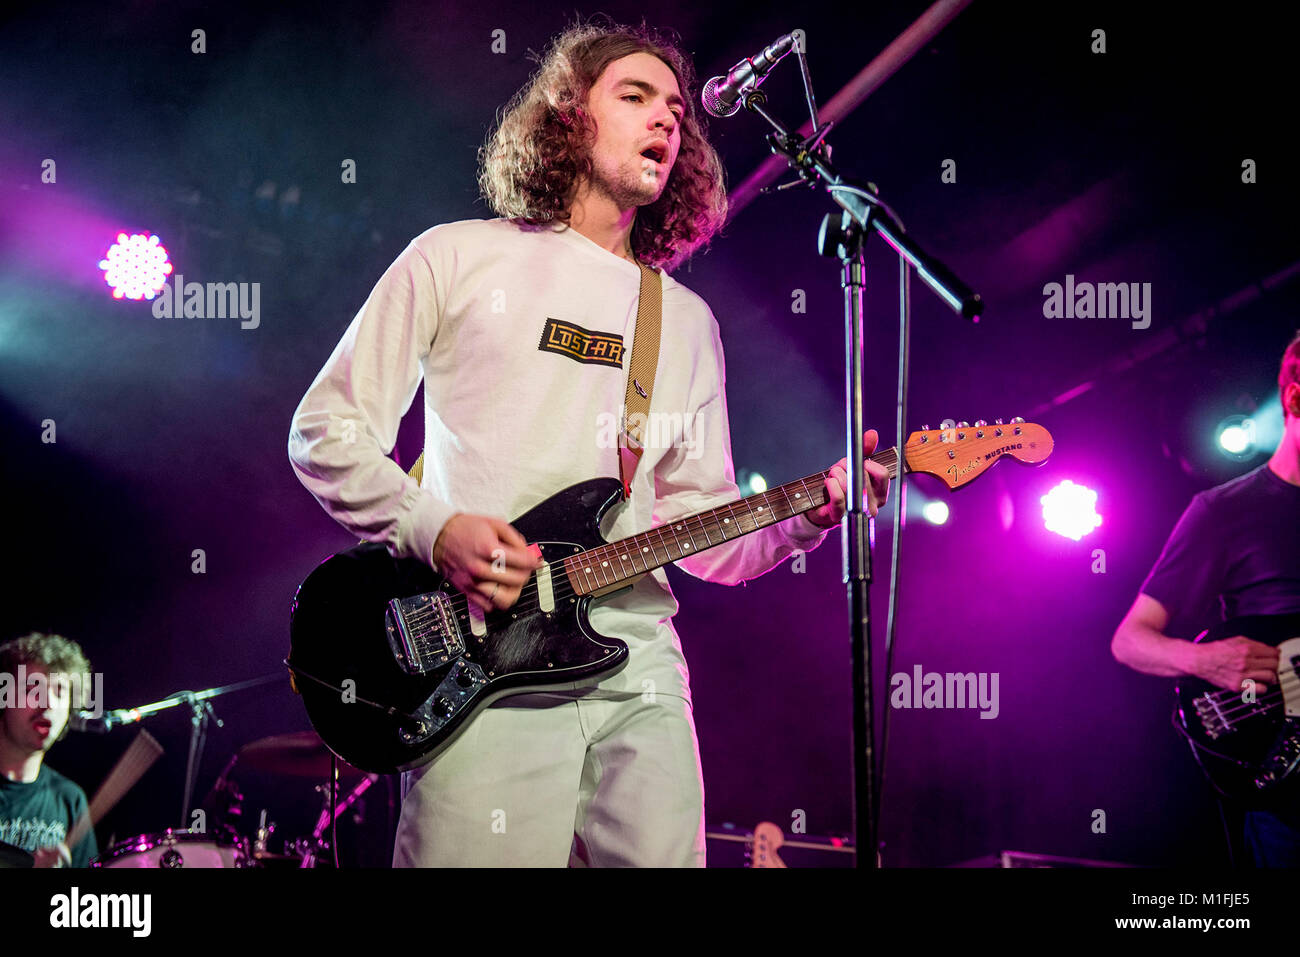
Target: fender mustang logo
{"x":999,"y":452}
{"x":582,"y":345}
{"x":957,"y":471}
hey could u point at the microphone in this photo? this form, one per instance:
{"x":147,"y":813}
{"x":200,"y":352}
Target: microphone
{"x":722,"y":94}
{"x":92,"y":723}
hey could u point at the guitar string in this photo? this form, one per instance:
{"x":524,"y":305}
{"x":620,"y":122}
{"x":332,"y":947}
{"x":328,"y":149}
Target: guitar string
{"x":691,"y":524}
{"x":700,"y":523}
{"x":1235,"y":719}
{"x":1222,"y":696}
{"x":686,"y":528}
{"x":1251,"y":708}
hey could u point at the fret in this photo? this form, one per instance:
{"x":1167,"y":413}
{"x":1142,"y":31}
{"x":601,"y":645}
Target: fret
{"x":591,"y":569}
{"x":663,"y":548}
{"x":645,"y":547}
{"x":814,"y":495}
{"x":789,"y":504}
{"x":731,"y":522}
{"x":802,"y":496}
{"x":704,"y":527}
{"x":666,"y":541}
{"x":694,"y":544}
{"x":740,"y":522}
{"x":626,"y":550}
{"x":616,"y":562}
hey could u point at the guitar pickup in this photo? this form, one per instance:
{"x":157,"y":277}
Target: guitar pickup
{"x":422,"y":632}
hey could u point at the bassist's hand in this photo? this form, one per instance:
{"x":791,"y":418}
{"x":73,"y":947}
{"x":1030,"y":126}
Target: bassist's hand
{"x":485,"y":558}
{"x":1228,"y":663}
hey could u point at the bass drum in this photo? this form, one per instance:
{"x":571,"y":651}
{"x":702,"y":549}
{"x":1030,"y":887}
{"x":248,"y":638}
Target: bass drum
{"x":176,"y":848}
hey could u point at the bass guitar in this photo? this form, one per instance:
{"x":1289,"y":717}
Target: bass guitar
{"x":392,"y":661}
{"x":1247,"y":742}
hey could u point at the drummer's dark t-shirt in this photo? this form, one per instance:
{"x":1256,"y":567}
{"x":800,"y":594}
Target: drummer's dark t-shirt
{"x":1237,"y":544}
{"x":40,"y":814}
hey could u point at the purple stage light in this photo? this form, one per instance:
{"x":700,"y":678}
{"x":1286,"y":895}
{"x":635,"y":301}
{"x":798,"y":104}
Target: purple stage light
{"x":136,"y":266}
{"x":1070,"y":510}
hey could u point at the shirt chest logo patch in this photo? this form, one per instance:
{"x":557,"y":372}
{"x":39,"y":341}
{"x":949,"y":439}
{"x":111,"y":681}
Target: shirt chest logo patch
{"x":582,"y":345}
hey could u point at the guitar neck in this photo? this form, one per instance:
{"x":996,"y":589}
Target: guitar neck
{"x":616,"y":564}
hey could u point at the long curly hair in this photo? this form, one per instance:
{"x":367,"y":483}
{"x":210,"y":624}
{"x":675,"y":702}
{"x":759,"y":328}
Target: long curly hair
{"x":542,"y":144}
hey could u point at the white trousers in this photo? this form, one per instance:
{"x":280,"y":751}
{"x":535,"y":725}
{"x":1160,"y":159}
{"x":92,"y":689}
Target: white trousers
{"x":540,"y":781}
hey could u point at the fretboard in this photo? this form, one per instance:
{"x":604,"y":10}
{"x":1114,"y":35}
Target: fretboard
{"x":616,"y":563}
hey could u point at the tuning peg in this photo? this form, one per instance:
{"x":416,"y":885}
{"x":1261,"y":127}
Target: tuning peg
{"x":925,"y":428}
{"x":963,"y":425}
{"x":980,"y":423}
{"x":1016,"y":419}
{"x":997,"y":421}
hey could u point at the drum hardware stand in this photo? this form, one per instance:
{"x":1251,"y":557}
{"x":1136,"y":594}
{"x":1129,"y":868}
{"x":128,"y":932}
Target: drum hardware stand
{"x":201,"y":712}
{"x":316,"y":845}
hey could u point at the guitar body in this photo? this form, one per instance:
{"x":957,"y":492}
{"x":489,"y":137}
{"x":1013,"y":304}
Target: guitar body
{"x":1248,"y":750}
{"x":359,"y":689}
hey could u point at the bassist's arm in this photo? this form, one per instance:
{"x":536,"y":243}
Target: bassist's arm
{"x":1140,"y":642}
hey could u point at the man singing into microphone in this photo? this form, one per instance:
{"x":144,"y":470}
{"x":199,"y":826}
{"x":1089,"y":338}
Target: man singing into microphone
{"x":521,"y":328}
{"x":39,"y":807}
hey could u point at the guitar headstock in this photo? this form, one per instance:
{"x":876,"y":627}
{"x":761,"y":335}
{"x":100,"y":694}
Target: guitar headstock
{"x":768,"y":837}
{"x":959,"y":455}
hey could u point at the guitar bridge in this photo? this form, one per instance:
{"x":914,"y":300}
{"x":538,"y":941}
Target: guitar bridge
{"x":422,"y":632}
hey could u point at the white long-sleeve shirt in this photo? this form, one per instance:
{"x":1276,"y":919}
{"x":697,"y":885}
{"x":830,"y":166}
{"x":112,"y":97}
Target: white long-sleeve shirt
{"x":519,"y":405}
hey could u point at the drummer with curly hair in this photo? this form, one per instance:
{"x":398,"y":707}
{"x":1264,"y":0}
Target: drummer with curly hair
{"x":40,"y":676}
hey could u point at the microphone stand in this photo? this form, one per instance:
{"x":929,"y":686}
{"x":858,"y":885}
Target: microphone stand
{"x":201,"y":712}
{"x":844,"y":237}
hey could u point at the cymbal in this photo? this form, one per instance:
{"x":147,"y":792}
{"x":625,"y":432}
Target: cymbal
{"x":301,"y":754}
{"x":11,"y":856}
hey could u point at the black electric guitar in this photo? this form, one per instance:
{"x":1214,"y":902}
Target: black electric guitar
{"x":1248,"y":745}
{"x":392,"y":661}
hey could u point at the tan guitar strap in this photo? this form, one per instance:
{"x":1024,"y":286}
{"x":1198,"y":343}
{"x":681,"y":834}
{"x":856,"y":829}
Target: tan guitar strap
{"x":641,"y":367}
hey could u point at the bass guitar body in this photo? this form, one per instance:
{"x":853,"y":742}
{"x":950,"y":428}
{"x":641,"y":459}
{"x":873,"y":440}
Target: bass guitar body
{"x":1248,"y":744}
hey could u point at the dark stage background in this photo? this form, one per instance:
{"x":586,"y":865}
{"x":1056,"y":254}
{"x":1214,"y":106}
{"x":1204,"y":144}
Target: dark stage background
{"x":1124,"y":166}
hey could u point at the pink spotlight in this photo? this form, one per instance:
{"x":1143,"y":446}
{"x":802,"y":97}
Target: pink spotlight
{"x":136,"y":266}
{"x":1070,"y":510}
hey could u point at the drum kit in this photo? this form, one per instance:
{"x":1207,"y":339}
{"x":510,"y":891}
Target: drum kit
{"x":302,"y":756}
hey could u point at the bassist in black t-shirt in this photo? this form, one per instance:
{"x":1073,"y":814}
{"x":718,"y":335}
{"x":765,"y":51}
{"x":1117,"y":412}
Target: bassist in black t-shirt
{"x":1238,"y":544}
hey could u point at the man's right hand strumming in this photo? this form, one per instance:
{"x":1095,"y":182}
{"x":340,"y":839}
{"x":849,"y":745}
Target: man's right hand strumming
{"x":1231,"y":662}
{"x":485,"y":558}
